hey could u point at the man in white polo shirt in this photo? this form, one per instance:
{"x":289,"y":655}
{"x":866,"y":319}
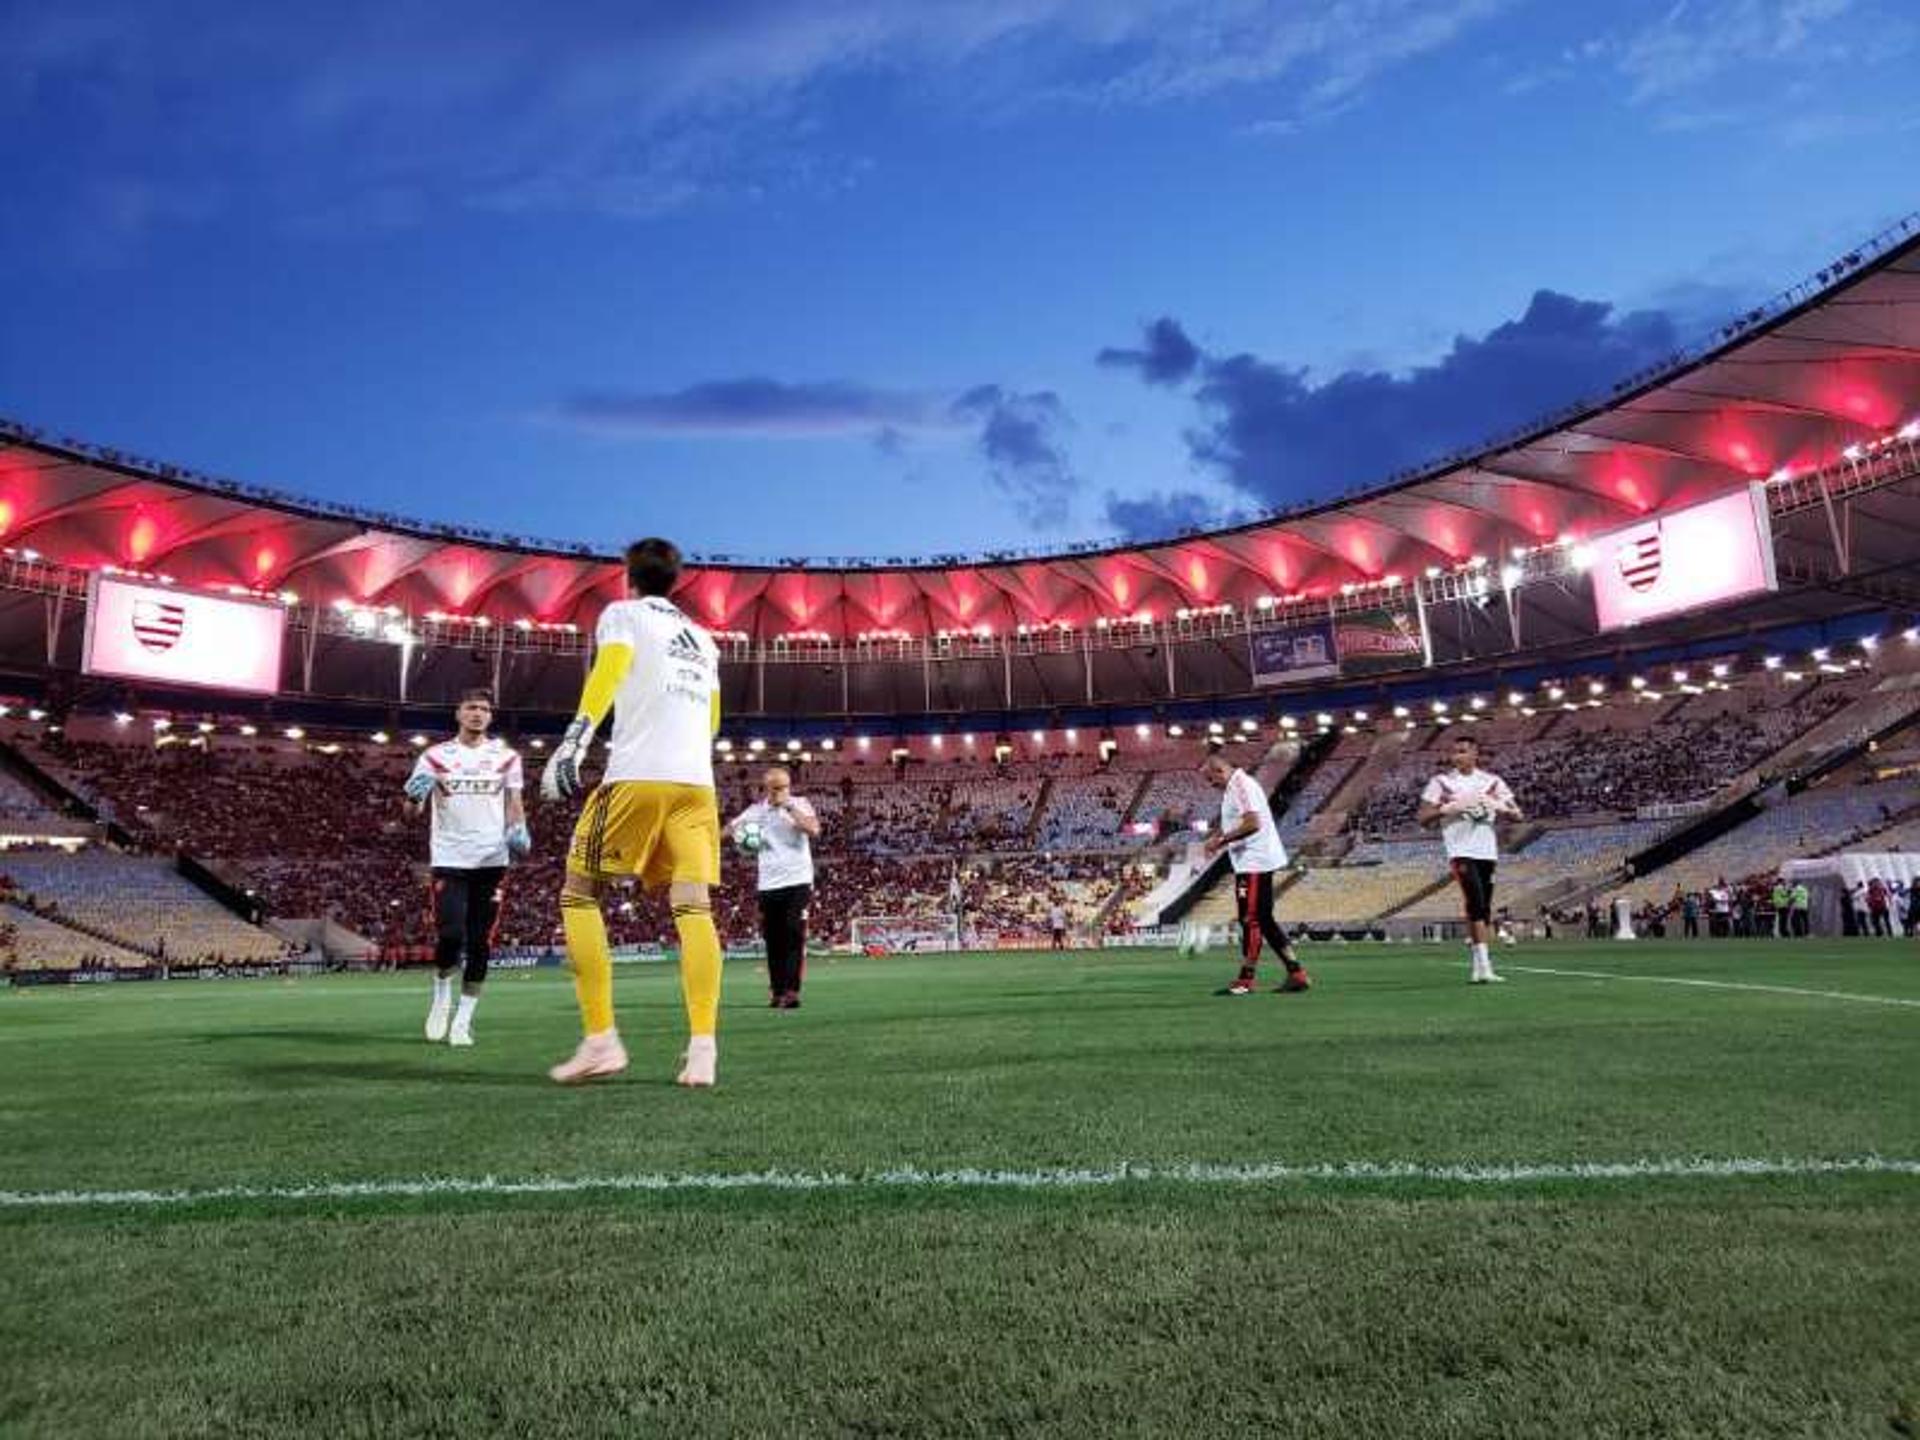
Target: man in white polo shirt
{"x":782,"y":826}
{"x":1252,"y":842}
{"x":1464,"y":801}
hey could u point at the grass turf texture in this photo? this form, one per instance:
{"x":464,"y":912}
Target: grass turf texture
{"x":1673,"y":1307}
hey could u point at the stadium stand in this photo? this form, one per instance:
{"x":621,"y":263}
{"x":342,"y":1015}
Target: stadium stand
{"x":141,"y":903}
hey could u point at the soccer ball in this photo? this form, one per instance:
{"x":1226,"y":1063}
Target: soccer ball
{"x":1480,"y":812}
{"x":750,"y":839}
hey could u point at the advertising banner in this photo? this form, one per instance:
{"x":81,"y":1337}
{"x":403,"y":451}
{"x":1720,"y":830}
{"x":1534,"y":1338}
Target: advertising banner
{"x":1294,"y":652}
{"x":1370,"y":642}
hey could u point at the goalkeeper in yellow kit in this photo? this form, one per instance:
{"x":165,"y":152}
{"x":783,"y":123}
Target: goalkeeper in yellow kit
{"x":653,"y":815}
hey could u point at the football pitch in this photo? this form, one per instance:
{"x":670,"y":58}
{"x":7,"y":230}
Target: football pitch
{"x":1654,"y":1190}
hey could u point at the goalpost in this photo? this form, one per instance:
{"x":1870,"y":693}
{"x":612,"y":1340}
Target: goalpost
{"x":905,"y":933}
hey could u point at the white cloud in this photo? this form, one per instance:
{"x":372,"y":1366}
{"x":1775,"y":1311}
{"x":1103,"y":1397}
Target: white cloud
{"x":626,"y":109}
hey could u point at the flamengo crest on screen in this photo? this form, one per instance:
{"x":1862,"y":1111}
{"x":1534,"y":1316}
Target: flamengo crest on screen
{"x":1639,"y":560}
{"x":158,"y":624}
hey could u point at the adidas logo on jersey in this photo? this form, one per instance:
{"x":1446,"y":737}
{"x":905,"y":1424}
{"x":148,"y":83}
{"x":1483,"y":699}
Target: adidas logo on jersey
{"x":686,"y":646}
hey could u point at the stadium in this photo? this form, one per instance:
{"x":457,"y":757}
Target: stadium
{"x":1682,"y":620}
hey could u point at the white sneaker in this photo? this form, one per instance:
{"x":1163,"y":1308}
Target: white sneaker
{"x":438,"y":1019}
{"x":461,"y":1035}
{"x":702,"y":1057}
{"x":1489,"y":978}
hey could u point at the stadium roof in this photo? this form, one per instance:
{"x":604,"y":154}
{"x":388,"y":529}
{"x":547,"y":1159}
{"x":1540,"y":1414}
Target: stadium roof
{"x":1787,"y":388}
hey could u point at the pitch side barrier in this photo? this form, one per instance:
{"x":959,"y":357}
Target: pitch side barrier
{"x":1311,"y":753}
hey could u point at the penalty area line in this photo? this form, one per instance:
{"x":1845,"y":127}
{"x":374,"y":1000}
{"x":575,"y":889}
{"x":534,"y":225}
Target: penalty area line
{"x":1719,"y":985}
{"x":916,"y":1178}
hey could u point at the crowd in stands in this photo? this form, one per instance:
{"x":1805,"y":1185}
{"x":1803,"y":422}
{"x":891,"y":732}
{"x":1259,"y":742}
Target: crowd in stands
{"x":1611,"y":764}
{"x":329,"y":835}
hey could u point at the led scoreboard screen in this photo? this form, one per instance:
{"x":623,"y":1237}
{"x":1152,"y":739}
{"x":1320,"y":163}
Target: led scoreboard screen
{"x":142,"y":631}
{"x":1684,"y":560}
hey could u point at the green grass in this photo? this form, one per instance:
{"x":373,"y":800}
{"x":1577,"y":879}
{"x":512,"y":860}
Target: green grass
{"x":1784,"y":1306}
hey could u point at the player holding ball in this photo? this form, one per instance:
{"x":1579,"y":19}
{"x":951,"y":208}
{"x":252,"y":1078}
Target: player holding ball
{"x":1464,"y":802}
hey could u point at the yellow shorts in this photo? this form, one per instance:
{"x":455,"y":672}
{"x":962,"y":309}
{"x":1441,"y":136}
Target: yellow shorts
{"x":649,"y":828}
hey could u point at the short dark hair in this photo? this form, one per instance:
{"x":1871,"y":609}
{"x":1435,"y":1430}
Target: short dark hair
{"x":653,"y":566}
{"x":478,"y":692}
{"x":1464,"y":739}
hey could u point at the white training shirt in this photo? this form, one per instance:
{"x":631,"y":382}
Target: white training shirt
{"x":786,"y":856}
{"x":1261,"y":852}
{"x":663,"y":711}
{"x":1467,"y":839}
{"x":469,"y":803}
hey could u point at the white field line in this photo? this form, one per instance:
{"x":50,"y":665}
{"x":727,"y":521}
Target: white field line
{"x":1718,"y":985}
{"x":915,"y":1178}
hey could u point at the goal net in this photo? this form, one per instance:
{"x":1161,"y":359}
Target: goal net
{"x":894,"y":934}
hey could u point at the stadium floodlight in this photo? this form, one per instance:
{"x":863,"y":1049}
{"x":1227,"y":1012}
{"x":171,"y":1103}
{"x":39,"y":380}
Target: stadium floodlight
{"x":1142,"y":731}
{"x":966,"y":740}
{"x":294,"y":732}
{"x":1439,"y":707}
{"x":832,"y":744}
{"x":205,"y":727}
{"x":723,"y":745}
{"x":1400,"y":712}
{"x":1680,"y":677}
{"x":1214,"y":727}
{"x":1390,"y":581}
{"x":1852,"y":452}
{"x":1287,"y":722}
{"x":865,"y":742}
{"x":1780,"y":476}
{"x":1772,"y":662}
{"x":160,"y":722}
{"x":1794,"y":677}
{"x":756,"y":745}
{"x":1323,"y":719}
{"x":1514,"y":697}
{"x":1176,"y":731}
{"x":939,"y":742}
{"x":1510,"y":575}
{"x":1360,"y":717}
{"x":1073,"y":736}
{"x":1039,"y":737}
{"x":1581,"y":557}
{"x":1265,"y":602}
{"x":289,"y":597}
{"x":397,"y":634}
{"x":1869,"y":642}
{"x":1639,"y":682}
{"x":1433,"y":572}
{"x":1477,"y":562}
{"x":380,"y":737}
{"x":1910,"y":430}
{"x":1554,"y":692}
{"x":1911,"y":635}
{"x":1720,"y":670}
{"x":1821,"y":653}
{"x":1348,"y":588}
{"x":1248,"y":726}
{"x":249,"y":730}
{"x":122,"y":718}
{"x":538,"y":743}
{"x":1478,"y":702}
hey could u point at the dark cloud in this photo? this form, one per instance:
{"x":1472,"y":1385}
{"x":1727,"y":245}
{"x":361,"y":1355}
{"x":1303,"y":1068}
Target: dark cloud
{"x":1167,"y":356}
{"x":758,"y":407}
{"x":1020,"y":440}
{"x":1163,"y":513}
{"x":1279,"y":437}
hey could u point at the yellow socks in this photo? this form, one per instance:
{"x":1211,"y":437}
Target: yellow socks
{"x":592,"y":960}
{"x":699,"y":966}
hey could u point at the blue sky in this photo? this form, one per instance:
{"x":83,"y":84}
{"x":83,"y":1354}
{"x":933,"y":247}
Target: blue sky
{"x":867,"y":277}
